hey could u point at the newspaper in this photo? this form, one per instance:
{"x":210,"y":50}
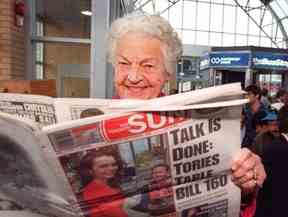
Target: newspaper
{"x":162,"y":157}
{"x":46,"y":110}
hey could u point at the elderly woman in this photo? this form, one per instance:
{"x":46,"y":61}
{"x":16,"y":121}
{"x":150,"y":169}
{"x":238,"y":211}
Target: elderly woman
{"x":144,"y":50}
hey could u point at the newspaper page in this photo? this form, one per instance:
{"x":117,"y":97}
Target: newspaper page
{"x":77,"y":108}
{"x":45,"y":110}
{"x":27,"y":183}
{"x":167,"y":163}
{"x":37,"y":108}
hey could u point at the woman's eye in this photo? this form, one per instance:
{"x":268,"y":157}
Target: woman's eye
{"x":148,"y":66}
{"x":123,"y":63}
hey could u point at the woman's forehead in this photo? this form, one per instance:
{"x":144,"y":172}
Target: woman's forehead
{"x":103,"y":159}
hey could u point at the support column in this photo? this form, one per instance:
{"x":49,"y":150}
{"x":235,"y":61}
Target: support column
{"x":248,"y":77}
{"x":30,"y":48}
{"x":101,"y":77}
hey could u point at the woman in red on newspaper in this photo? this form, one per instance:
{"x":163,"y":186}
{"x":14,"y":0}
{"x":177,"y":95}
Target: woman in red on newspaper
{"x":103,"y":166}
{"x":144,"y":50}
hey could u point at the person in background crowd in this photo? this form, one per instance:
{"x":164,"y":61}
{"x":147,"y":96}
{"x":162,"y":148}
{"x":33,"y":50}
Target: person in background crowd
{"x":272,"y":198}
{"x":144,"y":50}
{"x":283,"y":113}
{"x":249,"y":110}
{"x":264,"y":98}
{"x":280,"y":97}
{"x":267,"y":130}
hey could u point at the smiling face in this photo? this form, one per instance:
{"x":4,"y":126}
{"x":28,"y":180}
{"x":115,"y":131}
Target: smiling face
{"x":139,"y":69}
{"x":104,"y":168}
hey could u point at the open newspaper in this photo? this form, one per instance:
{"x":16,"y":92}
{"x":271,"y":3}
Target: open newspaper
{"x":169,"y":156}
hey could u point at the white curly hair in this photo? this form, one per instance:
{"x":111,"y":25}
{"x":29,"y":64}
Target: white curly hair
{"x":154,"y":26}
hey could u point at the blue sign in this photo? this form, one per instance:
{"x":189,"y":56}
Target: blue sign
{"x":204,"y":62}
{"x":229,"y":60}
{"x":270,"y":60}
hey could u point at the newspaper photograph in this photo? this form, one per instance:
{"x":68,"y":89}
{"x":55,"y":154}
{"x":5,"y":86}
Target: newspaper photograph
{"x":169,"y":163}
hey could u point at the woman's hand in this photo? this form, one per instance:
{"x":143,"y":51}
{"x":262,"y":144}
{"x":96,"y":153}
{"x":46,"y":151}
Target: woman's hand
{"x":248,"y":171}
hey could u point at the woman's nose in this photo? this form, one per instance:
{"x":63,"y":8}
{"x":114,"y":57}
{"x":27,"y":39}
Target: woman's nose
{"x":135,"y":75}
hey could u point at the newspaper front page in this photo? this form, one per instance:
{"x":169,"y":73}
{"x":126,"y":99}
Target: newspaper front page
{"x":159,"y":163}
{"x":46,"y":110}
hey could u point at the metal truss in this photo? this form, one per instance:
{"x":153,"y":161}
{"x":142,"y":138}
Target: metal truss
{"x":140,"y":4}
{"x":259,"y":22}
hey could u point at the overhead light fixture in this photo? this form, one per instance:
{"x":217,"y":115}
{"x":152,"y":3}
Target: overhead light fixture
{"x":86,"y":13}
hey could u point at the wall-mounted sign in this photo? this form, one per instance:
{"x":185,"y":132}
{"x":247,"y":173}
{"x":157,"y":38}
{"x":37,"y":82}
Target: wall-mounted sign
{"x":270,"y":60}
{"x":229,"y":59}
{"x":204,"y":62}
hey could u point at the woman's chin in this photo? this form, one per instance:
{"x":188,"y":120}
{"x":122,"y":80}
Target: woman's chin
{"x":139,"y":95}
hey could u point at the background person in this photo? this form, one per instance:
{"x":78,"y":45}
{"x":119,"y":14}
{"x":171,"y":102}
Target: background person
{"x":144,"y":50}
{"x":267,"y":130}
{"x":249,"y":110}
{"x":272,"y":197}
{"x":283,"y":114}
{"x":280,"y":98}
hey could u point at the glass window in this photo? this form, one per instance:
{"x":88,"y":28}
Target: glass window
{"x":241,"y":40}
{"x":254,"y":4}
{"x":275,"y":6}
{"x":216,"y":18}
{"x":228,"y":40}
{"x":188,"y":37}
{"x":229,"y":19}
{"x":285,"y":24}
{"x":69,"y":64}
{"x":175,"y":15}
{"x":217,"y":1}
{"x":202,"y":38}
{"x":161,"y":5}
{"x":203,"y":16}
{"x":284,"y":5}
{"x":265,"y":42}
{"x":253,"y":28}
{"x":253,"y":41}
{"x":215,"y":39}
{"x":65,"y":18}
{"x":268,"y":29}
{"x":39,"y":61}
{"x":165,"y":14}
{"x":229,"y":2}
{"x":148,"y":8}
{"x":267,"y":19}
{"x":242,"y":22}
{"x":242,"y":2}
{"x":189,"y":15}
